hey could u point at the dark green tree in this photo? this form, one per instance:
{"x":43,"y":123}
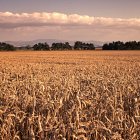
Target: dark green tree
{"x":91,"y":46}
{"x":61,"y":46}
{"x":41,"y":46}
{"x":67,"y":46}
{"x":118,"y":45}
{"x":83,"y":46}
{"x":6,"y":47}
{"x":78,"y":45}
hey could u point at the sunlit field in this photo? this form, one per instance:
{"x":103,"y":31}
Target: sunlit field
{"x":70,"y":95}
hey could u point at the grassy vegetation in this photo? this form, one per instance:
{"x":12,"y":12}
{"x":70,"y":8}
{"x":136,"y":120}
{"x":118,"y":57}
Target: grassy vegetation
{"x":69,"y":95}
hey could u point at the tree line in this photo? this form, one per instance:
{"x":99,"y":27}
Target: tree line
{"x":78,"y":45}
{"x":64,"y":46}
{"x":45,"y":47}
{"x":118,"y":45}
{"x":6,"y":47}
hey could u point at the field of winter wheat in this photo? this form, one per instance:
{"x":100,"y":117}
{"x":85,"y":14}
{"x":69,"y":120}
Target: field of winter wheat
{"x":70,"y":95}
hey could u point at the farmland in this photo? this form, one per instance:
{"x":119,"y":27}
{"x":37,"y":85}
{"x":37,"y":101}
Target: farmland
{"x":69,"y":95}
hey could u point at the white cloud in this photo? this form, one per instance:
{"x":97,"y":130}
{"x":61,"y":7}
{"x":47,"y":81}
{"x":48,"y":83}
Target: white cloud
{"x":62,"y":26}
{"x":13,"y":20}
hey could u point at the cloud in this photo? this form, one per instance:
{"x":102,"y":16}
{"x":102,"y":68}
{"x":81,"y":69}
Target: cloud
{"x":36,"y":19}
{"x":30,"y":26}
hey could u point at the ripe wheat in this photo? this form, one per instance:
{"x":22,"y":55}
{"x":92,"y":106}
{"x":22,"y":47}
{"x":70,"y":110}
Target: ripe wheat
{"x":70,"y":95}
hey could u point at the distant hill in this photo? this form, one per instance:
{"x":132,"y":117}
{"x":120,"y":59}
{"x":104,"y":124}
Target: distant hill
{"x":49,"y":41}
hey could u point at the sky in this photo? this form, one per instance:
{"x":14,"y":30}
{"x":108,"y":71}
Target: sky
{"x":84,"y":20}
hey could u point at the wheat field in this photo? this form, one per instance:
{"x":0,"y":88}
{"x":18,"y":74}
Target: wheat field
{"x":70,"y":95}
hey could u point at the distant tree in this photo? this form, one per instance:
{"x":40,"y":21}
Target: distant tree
{"x":61,"y":46}
{"x":91,"y":46}
{"x":138,"y":45}
{"x":83,"y":46}
{"x":118,"y":45}
{"x":56,"y":46}
{"x":78,"y":45}
{"x":105,"y":47}
{"x":67,"y":46}
{"x":6,"y":47}
{"x":41,"y":46}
